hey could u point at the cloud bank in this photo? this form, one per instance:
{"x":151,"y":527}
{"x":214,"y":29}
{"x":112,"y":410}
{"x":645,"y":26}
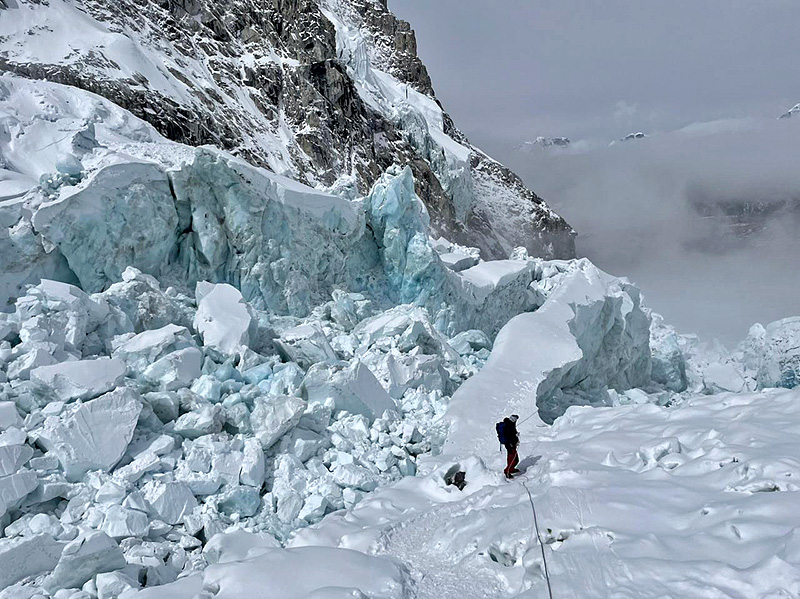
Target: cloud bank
{"x":705,"y":219}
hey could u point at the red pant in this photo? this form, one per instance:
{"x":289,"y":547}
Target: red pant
{"x":512,"y":461}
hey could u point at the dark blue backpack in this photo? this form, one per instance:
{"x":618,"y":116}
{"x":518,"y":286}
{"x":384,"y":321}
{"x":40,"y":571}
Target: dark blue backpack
{"x":501,"y":432}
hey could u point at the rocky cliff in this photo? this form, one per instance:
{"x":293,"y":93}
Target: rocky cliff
{"x":327,"y":92}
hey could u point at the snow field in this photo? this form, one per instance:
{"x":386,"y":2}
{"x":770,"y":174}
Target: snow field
{"x":633,"y":501}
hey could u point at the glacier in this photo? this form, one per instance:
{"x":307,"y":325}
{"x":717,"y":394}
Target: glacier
{"x":149,"y":398}
{"x":255,"y":355}
{"x":213,"y":375}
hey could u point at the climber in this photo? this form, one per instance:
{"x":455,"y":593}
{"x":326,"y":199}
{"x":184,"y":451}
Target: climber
{"x":508,"y":437}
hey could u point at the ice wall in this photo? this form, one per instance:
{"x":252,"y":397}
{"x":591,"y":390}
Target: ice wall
{"x":590,"y":334}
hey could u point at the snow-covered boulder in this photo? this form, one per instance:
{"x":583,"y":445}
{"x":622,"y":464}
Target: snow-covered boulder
{"x":12,"y":457}
{"x":111,"y":585}
{"x":22,"y":365}
{"x":354,"y":389}
{"x":94,"y":435}
{"x":21,"y":557}
{"x":204,"y":421}
{"x":779,"y":365}
{"x":169,"y":501}
{"x":305,"y":344}
{"x":274,"y":416}
{"x":9,"y":415}
{"x":81,"y":379}
{"x":176,"y":369}
{"x":120,"y":522}
{"x":355,"y":477}
{"x":14,"y":488}
{"x":238,"y":501}
{"x":223,"y":318}
{"x":139,"y":351}
{"x":251,"y":472}
{"x":91,"y":553}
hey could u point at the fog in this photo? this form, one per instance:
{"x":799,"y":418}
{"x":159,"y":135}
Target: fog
{"x":706,"y":223}
{"x":702,"y":214}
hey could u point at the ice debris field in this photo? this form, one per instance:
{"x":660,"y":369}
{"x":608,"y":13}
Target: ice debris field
{"x":218,"y":383}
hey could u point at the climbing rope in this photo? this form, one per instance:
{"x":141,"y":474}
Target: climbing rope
{"x":539,"y":538}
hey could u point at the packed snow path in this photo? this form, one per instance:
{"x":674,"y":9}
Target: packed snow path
{"x":438,"y":571}
{"x":443,"y":568}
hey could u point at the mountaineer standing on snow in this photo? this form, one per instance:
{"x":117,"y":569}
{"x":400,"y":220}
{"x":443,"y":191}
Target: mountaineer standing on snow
{"x":508,"y":437}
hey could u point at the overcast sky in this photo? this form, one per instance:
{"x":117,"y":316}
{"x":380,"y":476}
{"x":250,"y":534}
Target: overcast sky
{"x":705,"y":79}
{"x":509,"y":70}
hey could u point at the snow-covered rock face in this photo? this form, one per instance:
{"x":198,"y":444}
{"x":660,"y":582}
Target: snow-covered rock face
{"x":542,"y":142}
{"x":328,"y":92}
{"x":632,"y":136}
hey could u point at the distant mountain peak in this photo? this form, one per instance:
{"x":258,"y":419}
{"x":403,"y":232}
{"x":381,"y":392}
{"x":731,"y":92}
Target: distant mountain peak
{"x":637,"y":135}
{"x":794,"y":110}
{"x":544,"y":142}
